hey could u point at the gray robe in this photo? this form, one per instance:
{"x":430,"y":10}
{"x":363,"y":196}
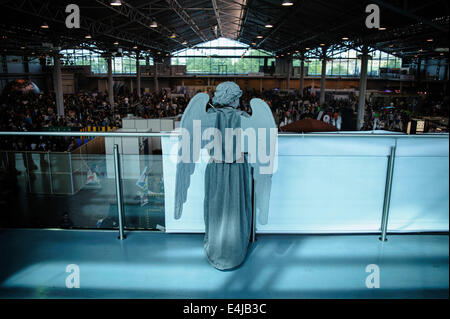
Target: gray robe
{"x":228,"y":200}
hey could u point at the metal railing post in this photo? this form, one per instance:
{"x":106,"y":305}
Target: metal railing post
{"x":118,"y":190}
{"x":387,"y":194}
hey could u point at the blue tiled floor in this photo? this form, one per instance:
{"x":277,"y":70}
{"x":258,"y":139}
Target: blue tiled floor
{"x":157,"y":265}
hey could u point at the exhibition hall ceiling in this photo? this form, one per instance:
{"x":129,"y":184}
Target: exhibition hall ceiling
{"x":407,"y":27}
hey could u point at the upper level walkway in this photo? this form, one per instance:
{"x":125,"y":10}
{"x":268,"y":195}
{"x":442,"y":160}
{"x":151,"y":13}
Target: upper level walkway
{"x":161,"y":265}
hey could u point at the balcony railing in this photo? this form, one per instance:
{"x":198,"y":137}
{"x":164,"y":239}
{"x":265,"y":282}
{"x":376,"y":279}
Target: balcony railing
{"x":346,"y":182}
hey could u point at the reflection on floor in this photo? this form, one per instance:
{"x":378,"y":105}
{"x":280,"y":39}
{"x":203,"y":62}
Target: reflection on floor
{"x":159,"y":265}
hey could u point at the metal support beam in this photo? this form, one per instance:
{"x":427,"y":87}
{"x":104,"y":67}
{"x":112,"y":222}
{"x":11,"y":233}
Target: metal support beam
{"x":118,"y":181}
{"x":138,"y":75}
{"x":47,"y":11}
{"x":362,"y":89}
{"x":278,"y":26}
{"x":244,"y":19}
{"x":178,"y":8}
{"x":133,"y":14}
{"x":289,"y":71}
{"x":387,"y":194}
{"x":26,"y":67}
{"x":419,"y":72}
{"x":323,"y":81}
{"x":302,"y":75}
{"x":156,"y":78}
{"x":57,"y":85}
{"x":217,"y":13}
{"x":410,"y":15}
{"x":110,"y":84}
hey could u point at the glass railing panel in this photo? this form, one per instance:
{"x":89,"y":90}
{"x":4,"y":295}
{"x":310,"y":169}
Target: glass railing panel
{"x":57,"y":190}
{"x":143,"y":191}
{"x":60,"y":162}
{"x":420,"y":186}
{"x":39,"y":173}
{"x":19,"y":168}
{"x":327,"y":194}
{"x":192,"y":219}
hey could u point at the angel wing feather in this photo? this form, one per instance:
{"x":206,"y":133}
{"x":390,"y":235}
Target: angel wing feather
{"x":195,"y":111}
{"x":266,"y":140}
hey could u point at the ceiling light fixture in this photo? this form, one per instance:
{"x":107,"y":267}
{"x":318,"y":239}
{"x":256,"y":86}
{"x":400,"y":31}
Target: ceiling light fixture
{"x":154,"y":24}
{"x":259,"y":36}
{"x":287,"y":3}
{"x":345,"y":38}
{"x":185,"y":42}
{"x":116,"y":3}
{"x":268,"y":25}
{"x":381,"y":28}
{"x":116,"y":43}
{"x":173,"y":36}
{"x":429,"y":40}
{"x":88,"y":36}
{"x":44,"y":26}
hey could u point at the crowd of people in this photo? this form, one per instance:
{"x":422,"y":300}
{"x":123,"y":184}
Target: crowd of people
{"x":38,"y":112}
{"x":292,"y":107}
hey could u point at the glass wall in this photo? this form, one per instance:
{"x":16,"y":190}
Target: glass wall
{"x":346,"y":63}
{"x":126,"y":64}
{"x":222,"y":56}
{"x":225,"y":56}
